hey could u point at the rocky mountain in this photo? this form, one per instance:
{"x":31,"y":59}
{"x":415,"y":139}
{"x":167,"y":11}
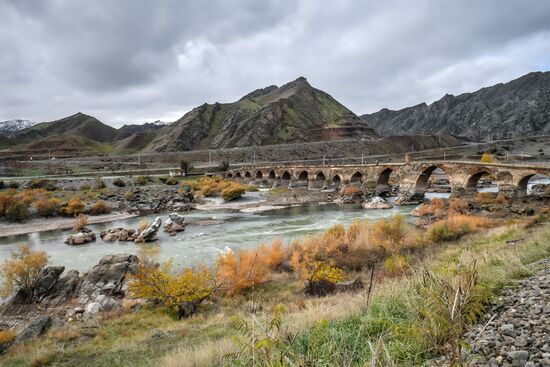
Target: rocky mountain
{"x":518,"y":108}
{"x":78,"y":125}
{"x":294,"y":112}
{"x":128,"y":130}
{"x":11,"y":127}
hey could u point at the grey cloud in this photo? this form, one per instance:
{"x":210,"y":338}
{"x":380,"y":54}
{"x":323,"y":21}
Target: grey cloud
{"x":131,"y":60}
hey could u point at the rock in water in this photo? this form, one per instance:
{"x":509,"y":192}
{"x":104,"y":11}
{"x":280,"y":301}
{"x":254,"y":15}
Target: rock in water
{"x":80,"y":238}
{"x":150,"y":233}
{"x":118,"y":234}
{"x":174,"y":223}
{"x":377,"y":203}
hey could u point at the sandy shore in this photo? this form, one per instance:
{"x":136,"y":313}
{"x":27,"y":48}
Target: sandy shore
{"x":49,"y":224}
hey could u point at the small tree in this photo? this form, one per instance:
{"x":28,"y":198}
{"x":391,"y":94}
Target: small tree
{"x":486,"y":158}
{"x":80,"y":222}
{"x":21,"y":271}
{"x":185,"y":166}
{"x":181,"y":293}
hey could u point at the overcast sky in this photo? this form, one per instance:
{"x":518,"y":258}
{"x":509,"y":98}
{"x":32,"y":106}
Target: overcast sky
{"x":141,"y":60}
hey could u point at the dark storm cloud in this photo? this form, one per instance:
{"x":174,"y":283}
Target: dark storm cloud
{"x":129,"y":60}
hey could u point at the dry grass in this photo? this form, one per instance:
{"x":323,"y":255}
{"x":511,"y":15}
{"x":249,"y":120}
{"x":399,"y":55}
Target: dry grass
{"x":456,"y":226}
{"x":489,"y":198}
{"x":80,"y":222}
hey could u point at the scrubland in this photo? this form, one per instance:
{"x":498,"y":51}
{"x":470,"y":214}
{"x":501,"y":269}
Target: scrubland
{"x":256,"y":312}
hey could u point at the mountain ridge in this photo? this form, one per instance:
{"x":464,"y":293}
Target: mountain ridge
{"x":293,"y":112}
{"x":520,"y":107}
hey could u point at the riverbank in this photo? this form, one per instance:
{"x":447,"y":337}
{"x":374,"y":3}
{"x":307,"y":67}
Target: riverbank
{"x":8,"y":229}
{"x":332,"y":330}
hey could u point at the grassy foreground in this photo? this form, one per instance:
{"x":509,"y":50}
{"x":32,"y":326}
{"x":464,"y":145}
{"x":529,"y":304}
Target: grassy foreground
{"x":339,"y":330}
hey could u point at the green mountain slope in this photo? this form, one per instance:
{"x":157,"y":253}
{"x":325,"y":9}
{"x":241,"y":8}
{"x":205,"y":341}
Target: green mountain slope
{"x":294,"y":112}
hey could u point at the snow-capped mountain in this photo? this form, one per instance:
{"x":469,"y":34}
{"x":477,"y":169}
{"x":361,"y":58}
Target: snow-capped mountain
{"x":11,"y":127}
{"x":161,"y":123}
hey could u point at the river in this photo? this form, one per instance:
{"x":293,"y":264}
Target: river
{"x":222,"y":229}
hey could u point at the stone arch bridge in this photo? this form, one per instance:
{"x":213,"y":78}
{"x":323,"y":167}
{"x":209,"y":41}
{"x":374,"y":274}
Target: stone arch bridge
{"x":412,"y":177}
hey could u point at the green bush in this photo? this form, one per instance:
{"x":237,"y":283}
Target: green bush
{"x":171,"y":181}
{"x":141,"y":180}
{"x":2,"y":185}
{"x":13,"y":185}
{"x":119,"y":182}
{"x":232,"y":192}
{"x":99,"y":184}
{"x":84,"y":187}
{"x":129,"y":195}
{"x":49,"y":185}
{"x":17,"y":211}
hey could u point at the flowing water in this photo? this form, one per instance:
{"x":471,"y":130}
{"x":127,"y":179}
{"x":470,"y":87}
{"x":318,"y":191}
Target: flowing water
{"x":208,"y":233}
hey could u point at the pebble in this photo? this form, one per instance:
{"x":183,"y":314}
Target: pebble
{"x":519,"y":334}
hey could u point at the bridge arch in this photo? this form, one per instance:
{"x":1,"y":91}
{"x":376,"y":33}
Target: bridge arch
{"x":421,"y":182}
{"x":473,"y":179}
{"x":271,"y":175}
{"x":357,"y":177}
{"x":247,"y":174}
{"x":320,"y":176}
{"x":527,"y":182}
{"x":238,"y":174}
{"x":229,"y":175}
{"x":303,"y":176}
{"x":336,"y":179}
{"x":383,"y":180}
{"x":285,"y":176}
{"x":259,"y":175}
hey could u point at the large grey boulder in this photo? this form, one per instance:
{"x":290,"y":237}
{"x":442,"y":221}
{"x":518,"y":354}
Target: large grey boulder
{"x":150,"y":233}
{"x":118,"y":234}
{"x":33,"y":329}
{"x":80,"y":238}
{"x":174,"y":223}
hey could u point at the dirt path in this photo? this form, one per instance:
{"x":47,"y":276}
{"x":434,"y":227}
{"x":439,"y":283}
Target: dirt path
{"x":49,"y":224}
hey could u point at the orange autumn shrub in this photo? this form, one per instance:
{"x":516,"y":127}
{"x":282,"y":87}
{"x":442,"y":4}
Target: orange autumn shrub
{"x":6,"y":336}
{"x":435,"y":207}
{"x":5,"y":201}
{"x":351,"y":190}
{"x":73,"y":207}
{"x":488,"y":198}
{"x":47,"y":207}
{"x":246,"y":269}
{"x":100,"y":207}
{"x":80,"y":222}
{"x":458,"y":206}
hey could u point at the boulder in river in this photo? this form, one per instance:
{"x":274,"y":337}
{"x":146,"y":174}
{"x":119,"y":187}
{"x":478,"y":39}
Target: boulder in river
{"x":150,"y":232}
{"x":118,"y":234}
{"x":377,"y":203}
{"x":174,"y":223}
{"x":80,"y":238}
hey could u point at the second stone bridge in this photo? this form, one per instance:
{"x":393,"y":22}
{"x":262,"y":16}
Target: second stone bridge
{"x":412,"y":177}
